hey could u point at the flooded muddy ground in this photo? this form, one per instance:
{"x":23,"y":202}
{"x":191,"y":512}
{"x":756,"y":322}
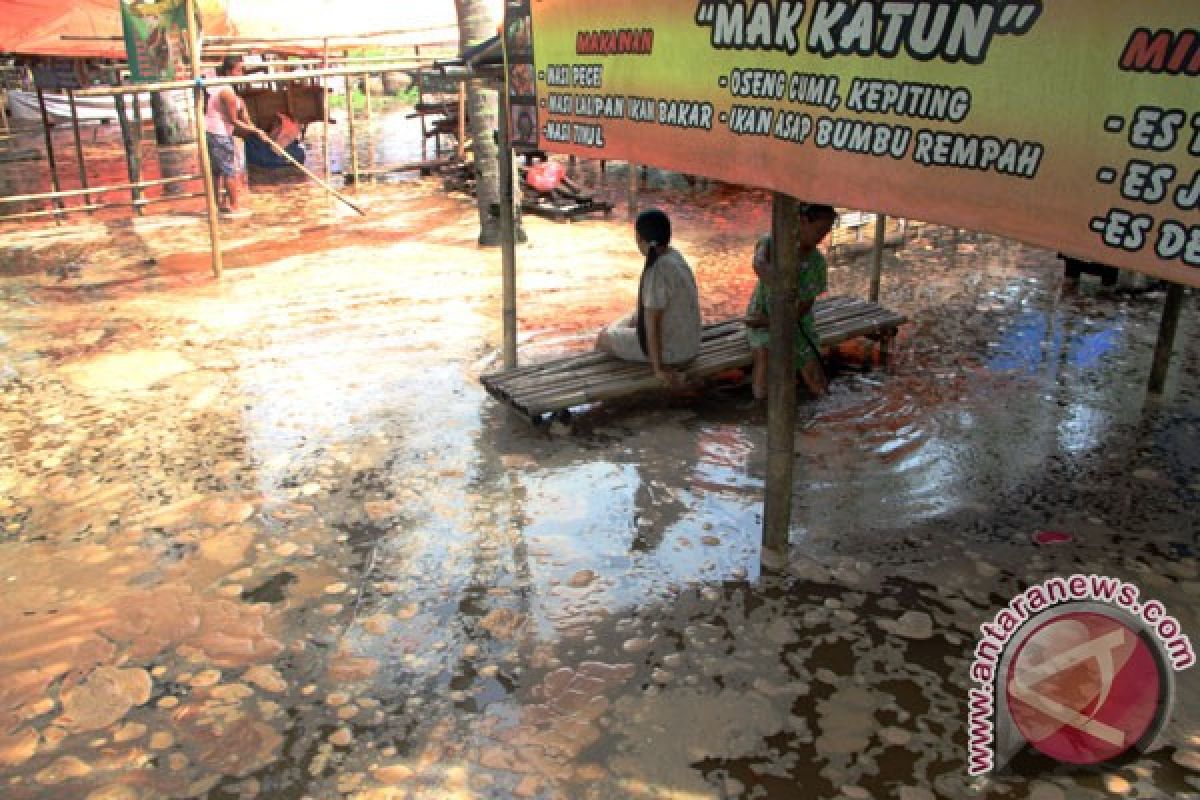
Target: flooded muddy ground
{"x":269,"y":537}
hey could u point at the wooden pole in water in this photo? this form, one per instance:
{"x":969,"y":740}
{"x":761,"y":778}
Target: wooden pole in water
{"x":461,"y":149}
{"x":49,"y":147}
{"x":210,"y":195}
{"x":350,"y":123}
{"x":508,"y":234}
{"x":370,"y":123}
{"x":325,"y":110}
{"x":877,"y":256}
{"x":83,"y":181}
{"x":135,"y":151}
{"x":781,"y":383}
{"x":633,"y":190}
{"x":285,"y":154}
{"x":1166,"y":338}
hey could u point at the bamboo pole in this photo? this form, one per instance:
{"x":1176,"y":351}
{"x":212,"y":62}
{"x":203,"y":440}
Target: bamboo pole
{"x":275,"y":146}
{"x":237,"y":80}
{"x":83,"y":181}
{"x":461,"y":151}
{"x":210,"y":197}
{"x":316,"y":38}
{"x":1166,"y":338}
{"x":100,"y":206}
{"x":781,"y":383}
{"x":508,"y":235}
{"x":633,"y":190}
{"x":350,"y":124}
{"x":132,"y":162}
{"x":325,"y":111}
{"x":877,"y":256}
{"x":370,"y":123}
{"x":120,"y":187}
{"x":49,"y":146}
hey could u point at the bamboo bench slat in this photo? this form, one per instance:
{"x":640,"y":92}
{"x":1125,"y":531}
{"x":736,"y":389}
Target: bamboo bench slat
{"x":591,"y":377}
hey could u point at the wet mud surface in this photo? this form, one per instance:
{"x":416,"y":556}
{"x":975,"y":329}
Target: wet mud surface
{"x":269,"y":537}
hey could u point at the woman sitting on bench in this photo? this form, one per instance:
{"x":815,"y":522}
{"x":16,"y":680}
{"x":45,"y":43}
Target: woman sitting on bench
{"x":813,"y":224}
{"x":665,"y":328}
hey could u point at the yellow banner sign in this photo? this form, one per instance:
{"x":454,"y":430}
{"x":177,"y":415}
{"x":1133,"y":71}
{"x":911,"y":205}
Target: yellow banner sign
{"x":1073,"y":125}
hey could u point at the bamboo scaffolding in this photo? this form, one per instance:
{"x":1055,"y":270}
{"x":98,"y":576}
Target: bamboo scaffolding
{"x":210,"y":195}
{"x":370,"y":124}
{"x":120,"y":187}
{"x":237,"y":80}
{"x":83,"y":181}
{"x":100,"y":206}
{"x":132,"y":161}
{"x":322,"y":37}
{"x":325,"y":112}
{"x":350,"y":128}
{"x":49,"y":144}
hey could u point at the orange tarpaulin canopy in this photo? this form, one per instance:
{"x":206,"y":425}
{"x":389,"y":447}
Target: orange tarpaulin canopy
{"x":37,"y":27}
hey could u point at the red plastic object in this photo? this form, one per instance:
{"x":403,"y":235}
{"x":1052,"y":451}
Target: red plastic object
{"x":1052,"y":537}
{"x":546,"y":176}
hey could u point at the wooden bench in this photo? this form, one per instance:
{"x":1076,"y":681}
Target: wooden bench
{"x":565,"y":203}
{"x":553,"y":386}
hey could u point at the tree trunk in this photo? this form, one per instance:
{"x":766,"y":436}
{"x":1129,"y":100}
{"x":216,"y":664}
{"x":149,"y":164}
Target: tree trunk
{"x":174,"y":132}
{"x":476,"y":23}
{"x":172,"y":120}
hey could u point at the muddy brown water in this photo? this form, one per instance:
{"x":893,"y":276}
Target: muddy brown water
{"x":268,"y":536}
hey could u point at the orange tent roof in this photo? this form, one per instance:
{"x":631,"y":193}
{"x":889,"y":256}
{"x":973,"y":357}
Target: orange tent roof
{"x":37,"y":27}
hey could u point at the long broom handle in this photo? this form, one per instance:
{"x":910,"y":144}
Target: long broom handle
{"x":275,"y":146}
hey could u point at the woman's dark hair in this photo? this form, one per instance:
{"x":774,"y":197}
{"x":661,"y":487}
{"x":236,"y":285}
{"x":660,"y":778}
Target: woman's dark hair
{"x":654,"y":226}
{"x":227,"y":65}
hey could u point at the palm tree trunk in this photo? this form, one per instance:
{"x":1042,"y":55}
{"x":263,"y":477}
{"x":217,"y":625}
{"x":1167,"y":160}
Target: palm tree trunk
{"x":174,"y":134}
{"x":475,"y":24}
{"x":172,"y":117}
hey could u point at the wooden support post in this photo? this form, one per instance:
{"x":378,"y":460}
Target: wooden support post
{"x":325,"y":107}
{"x":461,"y":151}
{"x":781,"y":383}
{"x":633,"y":190}
{"x":210,"y":195}
{"x":49,"y":148}
{"x":508,"y":235}
{"x":131,"y":163}
{"x":877,"y":256}
{"x":83,"y":181}
{"x":370,"y":124}
{"x":136,"y":149}
{"x":350,"y":127}
{"x":1166,"y":338}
